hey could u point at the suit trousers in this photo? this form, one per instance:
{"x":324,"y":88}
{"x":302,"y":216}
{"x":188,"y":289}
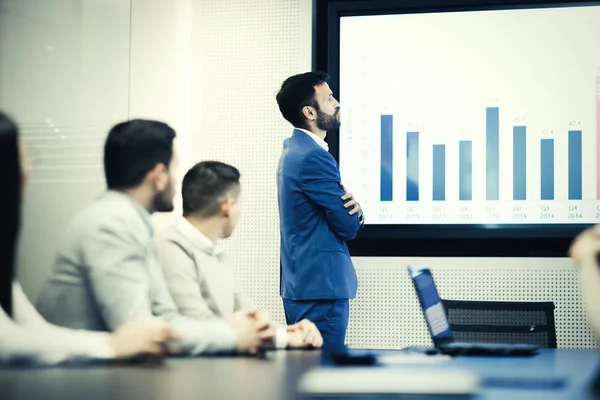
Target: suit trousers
{"x":330,"y":317}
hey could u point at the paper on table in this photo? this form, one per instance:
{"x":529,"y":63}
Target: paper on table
{"x":395,"y":380}
{"x":411,"y":359}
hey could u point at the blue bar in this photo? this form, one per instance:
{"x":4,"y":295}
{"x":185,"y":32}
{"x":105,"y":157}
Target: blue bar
{"x":465,"y":170}
{"x":412,"y":166}
{"x":439,"y":172}
{"x":574,"y":165}
{"x":519,"y":163}
{"x":492,"y":164}
{"x":387,"y":157}
{"x":547,"y":169}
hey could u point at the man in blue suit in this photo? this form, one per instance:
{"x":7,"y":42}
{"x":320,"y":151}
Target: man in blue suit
{"x":316,"y":213}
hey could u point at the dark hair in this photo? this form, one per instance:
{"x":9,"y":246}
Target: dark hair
{"x":205,"y":185}
{"x":133,"y":149}
{"x":297,"y":92}
{"x":10,"y":207}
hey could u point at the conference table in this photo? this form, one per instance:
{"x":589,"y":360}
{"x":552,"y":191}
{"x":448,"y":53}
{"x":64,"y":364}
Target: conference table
{"x":275,"y":376}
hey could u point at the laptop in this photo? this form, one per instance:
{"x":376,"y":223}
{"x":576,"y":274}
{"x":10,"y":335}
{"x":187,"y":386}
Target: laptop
{"x":439,"y":327}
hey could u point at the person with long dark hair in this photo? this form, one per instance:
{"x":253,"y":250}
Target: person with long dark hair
{"x":10,"y":198}
{"x":24,"y":335}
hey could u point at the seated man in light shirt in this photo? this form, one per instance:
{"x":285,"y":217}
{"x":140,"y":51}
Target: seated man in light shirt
{"x":25,"y":338}
{"x":197,"y":270}
{"x":107,"y":270}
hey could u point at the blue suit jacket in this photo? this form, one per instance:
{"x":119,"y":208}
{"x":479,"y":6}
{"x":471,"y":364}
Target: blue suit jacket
{"x":315,"y":262}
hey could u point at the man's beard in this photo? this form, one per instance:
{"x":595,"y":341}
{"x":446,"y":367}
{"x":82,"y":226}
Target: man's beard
{"x":163,"y":202}
{"x":326,"y":122}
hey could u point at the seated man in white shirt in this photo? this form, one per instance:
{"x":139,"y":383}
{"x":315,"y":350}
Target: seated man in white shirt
{"x":25,"y":338}
{"x":198,"y":272}
{"x":107,"y":270}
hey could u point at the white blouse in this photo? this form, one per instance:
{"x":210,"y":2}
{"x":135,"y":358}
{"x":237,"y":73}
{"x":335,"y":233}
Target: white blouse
{"x":28,"y":338}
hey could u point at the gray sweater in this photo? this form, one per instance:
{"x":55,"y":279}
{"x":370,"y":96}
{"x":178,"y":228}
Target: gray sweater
{"x":199,"y":274}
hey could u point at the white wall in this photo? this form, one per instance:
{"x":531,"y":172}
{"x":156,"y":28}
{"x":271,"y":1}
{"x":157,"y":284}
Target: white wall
{"x":386,"y":313}
{"x":64,"y":76}
{"x":160,"y":79}
{"x":67,"y":75}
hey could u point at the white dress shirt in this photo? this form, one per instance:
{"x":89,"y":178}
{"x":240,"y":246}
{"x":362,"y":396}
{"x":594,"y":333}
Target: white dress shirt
{"x":28,"y":338}
{"x":316,"y":138}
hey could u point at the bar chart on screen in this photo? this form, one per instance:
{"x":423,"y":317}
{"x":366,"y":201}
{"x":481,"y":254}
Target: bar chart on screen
{"x":488,"y":133}
{"x":459,"y":207}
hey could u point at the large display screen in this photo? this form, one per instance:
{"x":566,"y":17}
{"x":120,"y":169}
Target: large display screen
{"x":480,"y":117}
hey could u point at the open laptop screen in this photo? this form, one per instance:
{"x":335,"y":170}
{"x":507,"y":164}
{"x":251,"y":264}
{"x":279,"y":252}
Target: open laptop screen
{"x":435,"y":316}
